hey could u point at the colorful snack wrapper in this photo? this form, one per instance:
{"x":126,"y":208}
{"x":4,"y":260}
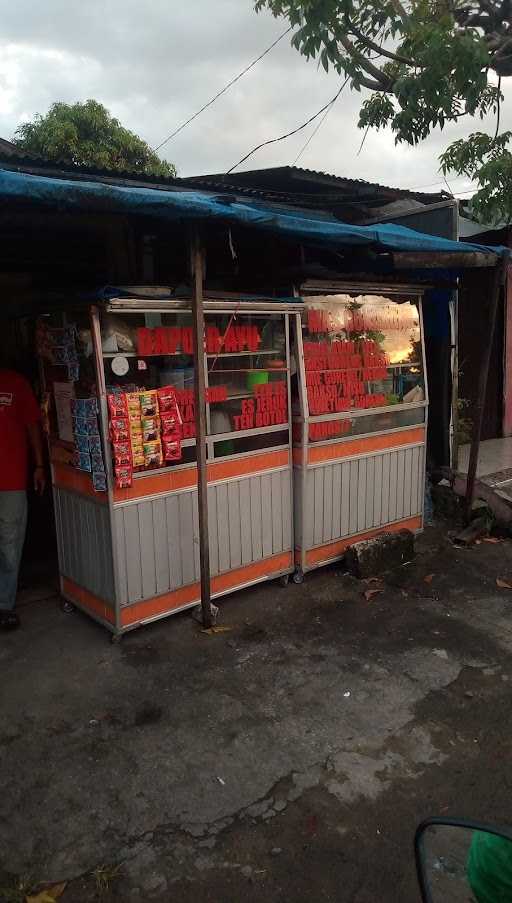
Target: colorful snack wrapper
{"x":122,"y":453}
{"x":150,"y":428}
{"x":92,"y":426}
{"x":133,"y":402}
{"x":149,"y":403}
{"x":84,"y":461}
{"x":171,"y":424}
{"x":95,"y":445}
{"x":80,"y":426}
{"x":97,"y":462}
{"x":171,"y":449}
{"x":117,"y":405}
{"x":153,"y":453}
{"x":99,"y":481}
{"x":166,"y":398}
{"x":124,"y":476}
{"x":82,"y":443}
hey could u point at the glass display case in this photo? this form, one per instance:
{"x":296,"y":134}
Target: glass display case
{"x":359,"y":419}
{"x":125,"y":486}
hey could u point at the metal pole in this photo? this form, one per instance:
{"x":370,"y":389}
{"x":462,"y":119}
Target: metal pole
{"x":497,"y":279}
{"x":200,"y":412}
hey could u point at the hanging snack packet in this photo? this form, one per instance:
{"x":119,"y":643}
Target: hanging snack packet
{"x":171,"y":424}
{"x":95,"y":445}
{"x":150,"y":428}
{"x":123,"y":477}
{"x":171,"y":449}
{"x":153,"y":453}
{"x":138,"y":459}
{"x":133,"y":402}
{"x":117,"y":404}
{"x":99,"y":481}
{"x":149,"y":403}
{"x":166,"y":398}
{"x":97,"y":462}
{"x":122,"y":453}
{"x":119,"y":429}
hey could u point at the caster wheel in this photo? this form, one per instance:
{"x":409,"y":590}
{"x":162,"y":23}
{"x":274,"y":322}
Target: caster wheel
{"x":298,"y":577}
{"x":284,"y":580}
{"x":116,"y":638}
{"x":67,"y":607}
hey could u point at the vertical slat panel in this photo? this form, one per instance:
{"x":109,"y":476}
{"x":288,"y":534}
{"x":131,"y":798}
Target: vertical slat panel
{"x":245,"y":520}
{"x":386,"y":478}
{"x":256,"y":531}
{"x":120,"y":555}
{"x":286,"y":500}
{"x":421,"y":479}
{"x":297,"y":506}
{"x":235,"y":536}
{"x":132,"y":545}
{"x":400,"y":483}
{"x":173,"y":542}
{"x":213,"y":531}
{"x":370,"y":492}
{"x":393,"y":477}
{"x":354,"y":489}
{"x":345,"y":499}
{"x":308,"y":511}
{"x":318,"y":521}
{"x":415,"y":454}
{"x":195,"y":529}
{"x":327,"y":533}
{"x":361,"y":495}
{"x":336,"y":500}
{"x":186,"y":528}
{"x":147,"y":549}
{"x":266,"y":514}
{"x":277,"y":514}
{"x":223,"y":527}
{"x":407,"y":482}
{"x":162,"y":577}
{"x":377,"y":490}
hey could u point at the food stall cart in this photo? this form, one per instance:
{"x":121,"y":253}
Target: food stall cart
{"x":360,"y":418}
{"x":121,"y":422}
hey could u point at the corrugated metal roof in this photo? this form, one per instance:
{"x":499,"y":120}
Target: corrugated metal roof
{"x":279,"y":178}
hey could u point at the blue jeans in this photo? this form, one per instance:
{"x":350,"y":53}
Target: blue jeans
{"x":13,"y":523}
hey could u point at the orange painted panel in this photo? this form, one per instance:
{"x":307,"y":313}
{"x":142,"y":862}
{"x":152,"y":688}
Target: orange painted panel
{"x":88,"y":600}
{"x":183,"y":479}
{"x":365,"y":446}
{"x":333,"y":549}
{"x":67,"y":477}
{"x":160,"y":605}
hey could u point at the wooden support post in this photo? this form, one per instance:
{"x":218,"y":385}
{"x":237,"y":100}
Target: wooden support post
{"x":200,"y":412}
{"x":497,"y":279}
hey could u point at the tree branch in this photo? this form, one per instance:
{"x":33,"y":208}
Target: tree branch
{"x":383,"y":81}
{"x":380,"y":50}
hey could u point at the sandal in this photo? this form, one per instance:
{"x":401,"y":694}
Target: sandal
{"x":9,"y":620}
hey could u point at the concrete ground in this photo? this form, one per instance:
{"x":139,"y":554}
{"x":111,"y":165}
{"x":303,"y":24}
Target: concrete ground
{"x":288,"y":758}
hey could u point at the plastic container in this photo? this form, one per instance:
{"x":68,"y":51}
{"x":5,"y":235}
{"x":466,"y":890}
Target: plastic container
{"x":259,"y":378}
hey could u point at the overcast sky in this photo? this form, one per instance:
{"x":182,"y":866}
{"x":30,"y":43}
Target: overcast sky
{"x":154,"y":63}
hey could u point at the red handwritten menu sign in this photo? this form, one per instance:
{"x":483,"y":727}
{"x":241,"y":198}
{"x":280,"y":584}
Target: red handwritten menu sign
{"x":175,"y":339}
{"x":337,"y":372}
{"x":185,"y":399}
{"x":268,"y":407}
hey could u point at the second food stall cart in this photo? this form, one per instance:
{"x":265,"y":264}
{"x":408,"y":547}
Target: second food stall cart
{"x":360,"y":418}
{"x":125,"y":489}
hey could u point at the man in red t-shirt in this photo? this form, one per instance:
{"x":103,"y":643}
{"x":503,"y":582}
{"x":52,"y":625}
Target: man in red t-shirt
{"x":20,"y":433}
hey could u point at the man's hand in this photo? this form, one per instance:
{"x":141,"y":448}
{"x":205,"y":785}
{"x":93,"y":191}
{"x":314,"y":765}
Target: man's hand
{"x":39,"y":480}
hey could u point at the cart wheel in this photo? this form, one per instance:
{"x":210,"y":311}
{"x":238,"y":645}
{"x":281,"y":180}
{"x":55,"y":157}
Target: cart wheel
{"x":116,"y":638}
{"x":284,"y":580}
{"x":298,"y":576}
{"x":67,"y":607}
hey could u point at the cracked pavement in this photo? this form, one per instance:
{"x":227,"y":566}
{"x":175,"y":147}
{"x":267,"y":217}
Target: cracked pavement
{"x":289,"y":758}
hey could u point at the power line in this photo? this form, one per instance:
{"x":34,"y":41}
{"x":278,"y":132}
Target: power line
{"x":288,"y":134}
{"x":220,"y":93}
{"x":318,"y":126}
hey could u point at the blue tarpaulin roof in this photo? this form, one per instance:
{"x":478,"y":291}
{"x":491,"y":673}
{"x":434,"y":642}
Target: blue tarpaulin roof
{"x":79,"y":195}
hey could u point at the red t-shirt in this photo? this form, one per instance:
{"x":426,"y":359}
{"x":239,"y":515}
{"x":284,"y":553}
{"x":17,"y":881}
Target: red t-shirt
{"x":18,"y":409}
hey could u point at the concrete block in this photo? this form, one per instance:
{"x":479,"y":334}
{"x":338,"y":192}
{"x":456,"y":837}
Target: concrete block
{"x":373,"y":556}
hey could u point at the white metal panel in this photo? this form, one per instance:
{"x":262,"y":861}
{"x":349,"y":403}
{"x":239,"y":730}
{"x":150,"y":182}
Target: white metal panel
{"x":235,"y":529}
{"x":84,"y":542}
{"x":245,"y":521}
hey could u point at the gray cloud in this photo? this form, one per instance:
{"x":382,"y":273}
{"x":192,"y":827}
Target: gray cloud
{"x":154,"y":64}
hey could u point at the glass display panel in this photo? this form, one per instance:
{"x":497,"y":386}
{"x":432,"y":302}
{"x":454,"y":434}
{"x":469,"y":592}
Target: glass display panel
{"x":342,"y":428}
